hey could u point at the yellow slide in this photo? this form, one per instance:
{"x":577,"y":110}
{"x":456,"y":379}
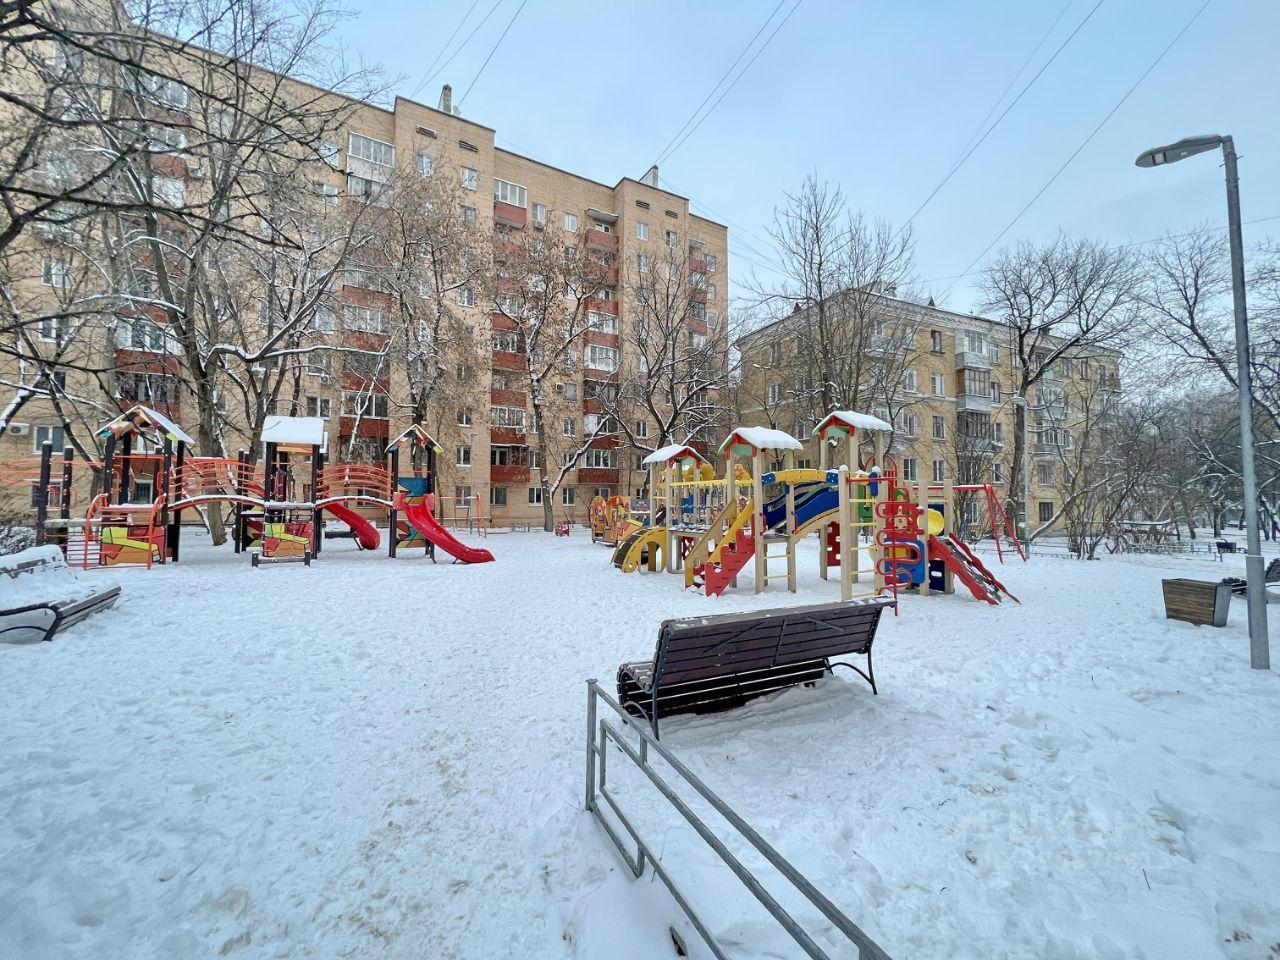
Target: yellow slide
{"x":644,"y":546}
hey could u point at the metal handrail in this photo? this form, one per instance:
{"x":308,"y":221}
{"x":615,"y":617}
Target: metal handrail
{"x":600,"y":732}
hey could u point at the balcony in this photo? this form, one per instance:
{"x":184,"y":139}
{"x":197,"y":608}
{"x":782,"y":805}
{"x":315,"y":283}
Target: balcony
{"x":601,"y":476}
{"x":697,"y":265}
{"x":509,"y":473}
{"x":599,"y":240}
{"x":1050,"y":449}
{"x":373,"y":427}
{"x":510,"y":214}
{"x":506,"y":436}
{"x":505,"y":360}
{"x":507,"y":398}
{"x":602,"y":306}
{"x":972,"y":360}
{"x":973,"y":403}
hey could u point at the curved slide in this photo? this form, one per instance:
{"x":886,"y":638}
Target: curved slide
{"x":366,"y":533}
{"x":420,"y":519}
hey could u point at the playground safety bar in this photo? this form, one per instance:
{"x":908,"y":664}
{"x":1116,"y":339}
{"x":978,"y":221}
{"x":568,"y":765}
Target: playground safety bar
{"x":599,"y":732}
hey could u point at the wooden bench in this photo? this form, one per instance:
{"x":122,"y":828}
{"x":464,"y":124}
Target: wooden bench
{"x":1240,"y":586}
{"x":704,"y":664}
{"x":43,"y":620}
{"x":1197,"y":601}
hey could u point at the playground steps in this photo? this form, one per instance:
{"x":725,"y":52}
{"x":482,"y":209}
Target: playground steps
{"x":968,"y":569}
{"x":81,"y":552}
{"x":718,"y":575}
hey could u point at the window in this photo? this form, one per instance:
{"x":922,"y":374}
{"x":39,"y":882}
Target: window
{"x":775,"y":393}
{"x":146,"y":335}
{"x":997,"y":431}
{"x":328,"y":152}
{"x":52,"y":435}
{"x":909,"y":468}
{"x":642,"y":262}
{"x":322,"y":320}
{"x":711,"y":290}
{"x":462,"y":493}
{"x":464,"y":417}
{"x":602,"y":358}
{"x":935,"y":341}
{"x":1044,"y":474}
{"x":497,"y":496}
{"x":569,"y":496}
{"x":571,"y":223}
{"x":462,"y":454}
{"x":469,"y":178}
{"x":1045,"y":510}
{"x":375,"y":192}
{"x":374,"y":151}
{"x":53,"y":272}
{"x":939,"y":428}
{"x":539,"y":215}
{"x":601,"y":458}
{"x":468,"y":215}
{"x":506,"y":192}
{"x":996,"y":393}
{"x":601,"y":227}
{"x":53,"y":328}
{"x":939,"y":471}
{"x":147,"y":387}
{"x":510,"y":418}
{"x":424,"y":164}
{"x":365,"y":319}
{"x":535,"y":496}
{"x":910,"y":382}
{"x":642,"y":230}
{"x":318,"y":407}
{"x":319,"y":364}
{"x":360,"y":403}
{"x":938,"y":384}
{"x":775,"y":353}
{"x":710,"y":261}
{"x":569,"y":426}
{"x":327,"y":192}
{"x":466,"y":297}
{"x":642,"y":429}
{"x":567,"y":390}
{"x":506,"y":341}
{"x":908,"y":425}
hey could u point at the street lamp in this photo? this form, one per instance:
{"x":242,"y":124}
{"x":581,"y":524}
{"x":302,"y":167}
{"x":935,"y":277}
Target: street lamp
{"x":1259,"y":653}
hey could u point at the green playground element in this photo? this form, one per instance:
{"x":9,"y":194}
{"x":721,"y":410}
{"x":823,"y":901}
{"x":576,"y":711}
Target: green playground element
{"x":865,"y":506}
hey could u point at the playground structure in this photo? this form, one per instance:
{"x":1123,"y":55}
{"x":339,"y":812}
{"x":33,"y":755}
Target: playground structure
{"x":882,"y":533}
{"x":147,"y":479}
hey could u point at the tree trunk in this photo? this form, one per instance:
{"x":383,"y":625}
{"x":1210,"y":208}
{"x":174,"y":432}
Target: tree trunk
{"x":1014,"y":499}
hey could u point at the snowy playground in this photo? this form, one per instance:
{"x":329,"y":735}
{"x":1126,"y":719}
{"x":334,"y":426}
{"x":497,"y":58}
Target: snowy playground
{"x":383,"y":758}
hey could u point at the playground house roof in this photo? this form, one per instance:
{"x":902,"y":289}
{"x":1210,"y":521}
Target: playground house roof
{"x":849,"y":420}
{"x":139,"y":418}
{"x":294,"y":431}
{"x":761,"y":438}
{"x":672,"y":452}
{"x":416,"y":434}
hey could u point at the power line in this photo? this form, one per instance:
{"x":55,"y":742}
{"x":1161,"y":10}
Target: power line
{"x":710,"y":93}
{"x":440,"y":54}
{"x":492,"y":52}
{"x":782,"y":23}
{"x":1013,"y":103}
{"x":465,"y":41}
{"x":1087,"y":140}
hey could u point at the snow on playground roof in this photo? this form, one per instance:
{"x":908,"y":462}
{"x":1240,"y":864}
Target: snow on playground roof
{"x":852,"y":420}
{"x":762,"y":438}
{"x":302,"y":431}
{"x":139,"y":416}
{"x":674,"y":451}
{"x":417,"y":434}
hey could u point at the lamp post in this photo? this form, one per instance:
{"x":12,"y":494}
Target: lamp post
{"x":1259,"y":652}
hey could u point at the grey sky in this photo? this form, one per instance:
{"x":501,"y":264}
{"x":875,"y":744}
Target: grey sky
{"x":880,"y":97}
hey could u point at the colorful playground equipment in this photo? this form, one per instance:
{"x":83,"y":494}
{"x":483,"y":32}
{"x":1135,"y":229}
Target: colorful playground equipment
{"x":883,"y":534}
{"x":147,"y":480}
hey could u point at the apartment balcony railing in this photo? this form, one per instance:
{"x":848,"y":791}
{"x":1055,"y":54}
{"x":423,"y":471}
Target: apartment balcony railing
{"x":603,"y":306}
{"x":697,"y":265}
{"x":599,"y":240}
{"x":373,"y":427}
{"x":509,"y":473}
{"x":604,"y":476}
{"x":973,"y":403}
{"x":972,"y":360}
{"x":1050,"y":448}
{"x":510,"y":214}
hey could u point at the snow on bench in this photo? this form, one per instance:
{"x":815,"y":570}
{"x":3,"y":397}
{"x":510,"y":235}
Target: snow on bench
{"x":41,"y":596}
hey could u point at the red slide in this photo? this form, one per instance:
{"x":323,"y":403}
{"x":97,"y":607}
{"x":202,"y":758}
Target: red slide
{"x":419,"y":516}
{"x":366,"y":533}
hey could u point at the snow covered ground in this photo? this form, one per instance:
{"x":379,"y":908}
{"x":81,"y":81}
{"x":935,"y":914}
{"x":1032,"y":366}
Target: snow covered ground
{"x":377,"y":758}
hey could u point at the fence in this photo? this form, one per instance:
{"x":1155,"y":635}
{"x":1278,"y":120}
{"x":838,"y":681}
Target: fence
{"x":601,"y":731}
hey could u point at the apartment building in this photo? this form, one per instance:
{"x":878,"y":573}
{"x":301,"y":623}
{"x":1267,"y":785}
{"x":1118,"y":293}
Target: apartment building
{"x":487,"y":454}
{"x":950,"y":398}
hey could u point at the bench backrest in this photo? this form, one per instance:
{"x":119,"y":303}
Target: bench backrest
{"x":703,"y":647}
{"x":35,"y":560}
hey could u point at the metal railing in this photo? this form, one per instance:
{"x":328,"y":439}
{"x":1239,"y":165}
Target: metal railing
{"x":600,"y":732}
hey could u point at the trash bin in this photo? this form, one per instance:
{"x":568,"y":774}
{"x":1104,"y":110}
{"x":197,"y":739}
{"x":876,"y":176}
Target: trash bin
{"x":1197,"y":601}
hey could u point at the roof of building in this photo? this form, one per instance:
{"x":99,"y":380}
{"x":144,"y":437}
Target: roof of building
{"x":139,"y":418}
{"x":293,"y":431}
{"x":850,"y":420}
{"x":673,"y":452}
{"x":761,"y":438}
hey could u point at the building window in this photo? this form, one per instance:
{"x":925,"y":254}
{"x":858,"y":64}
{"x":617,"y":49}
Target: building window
{"x":463,"y":454}
{"x":938,"y":384}
{"x":1045,"y":508}
{"x":365,"y":319}
{"x":464,"y":417}
{"x":539,"y":215}
{"x":939,"y":428}
{"x":604,"y":322}
{"x":569,"y":496}
{"x":461,"y":494}
{"x":52,"y":435}
{"x":374,"y":151}
{"x":318,"y":407}
{"x":710,"y":261}
{"x":424,"y":164}
{"x":327,"y":192}
{"x":506,"y":192}
{"x":497,"y":496}
{"x":570,"y":223}
{"x":602,"y":358}
{"x":468,"y":215}
{"x":54,"y":272}
{"x":642,"y":429}
{"x":910,"y":382}
{"x":642,"y":230}
{"x":567,"y":390}
{"x":327,"y":151}
{"x":146,"y":335}
{"x":775,"y":393}
{"x":358,"y":403}
{"x":569,"y":426}
{"x":506,"y":341}
{"x":935,"y":341}
{"x":1044,"y":474}
{"x":509,"y":418}
{"x":601,"y":458}
{"x":909,"y":469}
{"x":322,"y":320}
{"x":466,"y":297}
{"x":319,"y":364}
{"x":469,"y":178}
{"x":775,"y":353}
{"x":939,"y":471}
{"x":671,"y":239}
{"x":908,"y":425}
{"x":535,"y":496}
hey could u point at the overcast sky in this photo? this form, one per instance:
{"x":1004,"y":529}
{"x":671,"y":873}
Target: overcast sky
{"x":880,"y":97}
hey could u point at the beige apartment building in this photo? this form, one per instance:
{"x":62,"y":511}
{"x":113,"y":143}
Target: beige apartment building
{"x":486,"y":463}
{"x":949,"y":399}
